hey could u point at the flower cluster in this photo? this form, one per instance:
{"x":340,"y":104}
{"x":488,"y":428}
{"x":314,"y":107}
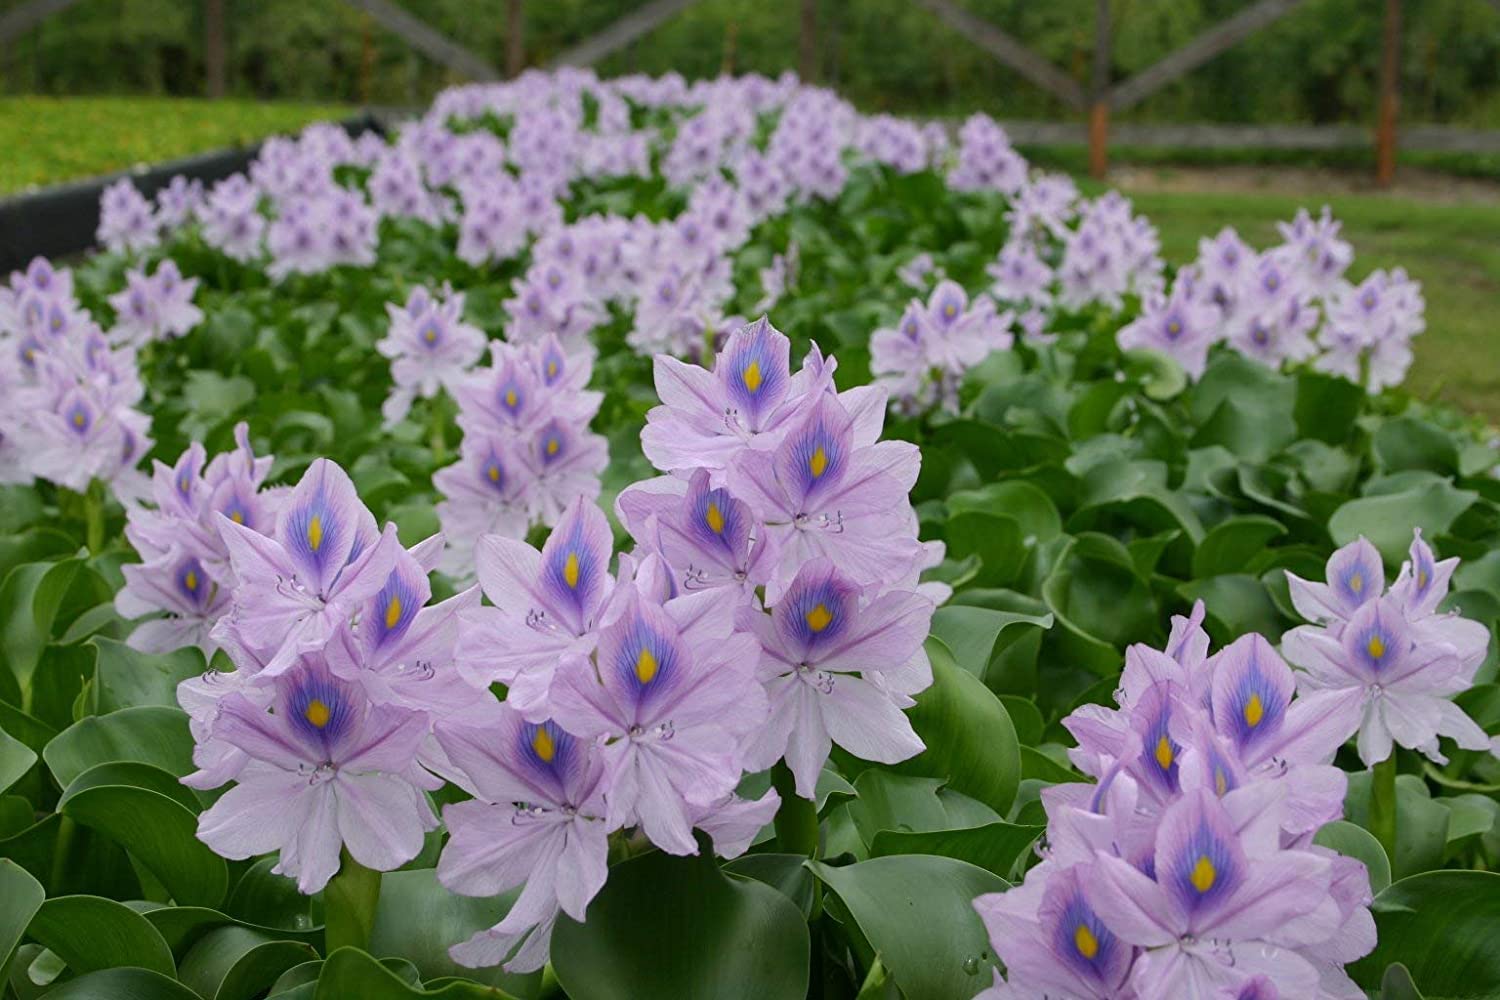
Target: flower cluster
{"x":922,"y":361}
{"x":67,"y":404}
{"x":184,"y":578}
{"x":1287,"y":305}
{"x":1189,"y":869}
{"x":1389,"y":658}
{"x":527,"y":452}
{"x":127,"y":223}
{"x":430,"y":347}
{"x":340,"y":667}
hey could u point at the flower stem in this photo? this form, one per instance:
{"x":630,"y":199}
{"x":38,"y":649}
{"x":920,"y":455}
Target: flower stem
{"x":93,"y":515}
{"x":349,"y":905}
{"x":797,"y":819}
{"x":436,"y":428}
{"x":1383,"y":805}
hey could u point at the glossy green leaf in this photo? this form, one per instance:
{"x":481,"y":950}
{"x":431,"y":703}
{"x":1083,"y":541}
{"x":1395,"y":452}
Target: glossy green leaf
{"x":16,"y":759}
{"x":971,"y":744}
{"x":917,"y":912}
{"x":154,"y":735}
{"x":124,"y":677}
{"x":350,"y":973}
{"x":1442,"y":925}
{"x":122,"y":984}
{"x":995,"y":847}
{"x":1356,"y":842}
{"x":1387,"y":520}
{"x":1229,"y":545}
{"x":90,"y":933}
{"x":235,"y":963}
{"x":20,"y":897}
{"x":730,"y":939}
{"x":1396,"y":984}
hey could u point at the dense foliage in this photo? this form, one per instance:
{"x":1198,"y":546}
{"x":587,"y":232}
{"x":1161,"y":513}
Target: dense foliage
{"x":1320,"y":63}
{"x":839,"y":744}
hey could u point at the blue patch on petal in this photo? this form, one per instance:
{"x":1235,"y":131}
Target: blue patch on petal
{"x":1205,"y":872}
{"x":717,"y":519}
{"x":394,"y":607}
{"x":546,"y":748}
{"x":572,"y":568}
{"x":818,"y":456}
{"x":1255,"y":706}
{"x":646,"y":660}
{"x":1082,"y":941}
{"x":552,"y":443}
{"x":192,"y":583}
{"x":320,"y":709}
{"x":818,"y":611}
{"x":1160,"y":751}
{"x":313,"y":532}
{"x":754,"y":374}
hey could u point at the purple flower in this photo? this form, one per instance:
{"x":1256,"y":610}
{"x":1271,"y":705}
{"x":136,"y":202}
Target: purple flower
{"x":1178,"y":326}
{"x":546,"y":604}
{"x":126,"y":222}
{"x":157,"y":307}
{"x":297,"y":586}
{"x":430,"y":347}
{"x":537,"y":819}
{"x":670,"y":694}
{"x":327,"y":769}
{"x":829,"y":489}
{"x":828,"y":656}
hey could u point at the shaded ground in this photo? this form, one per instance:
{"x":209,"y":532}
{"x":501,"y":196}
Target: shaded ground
{"x":47,"y":140}
{"x":1444,"y":230}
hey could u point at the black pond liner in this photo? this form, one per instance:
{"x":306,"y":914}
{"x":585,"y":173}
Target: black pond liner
{"x":61,"y":221}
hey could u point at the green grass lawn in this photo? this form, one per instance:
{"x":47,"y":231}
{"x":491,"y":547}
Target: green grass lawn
{"x":1453,"y":249}
{"x":47,"y":140}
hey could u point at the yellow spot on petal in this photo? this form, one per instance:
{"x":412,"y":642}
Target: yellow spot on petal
{"x":1375,"y":647}
{"x":1421,"y":579}
{"x":752,"y":377}
{"x":510,"y":398}
{"x":1221,"y":784}
{"x":317,"y":713}
{"x":1254,"y":711}
{"x":315,"y":532}
{"x":392,"y":613}
{"x":190,"y":581}
{"x":543,"y":745}
{"x":494,"y":473}
{"x":715,"y":519}
{"x":645,"y":666}
{"x":552,"y":446}
{"x":570,"y":570}
{"x":1085,"y":942}
{"x":1357,"y":583}
{"x":950,"y":310}
{"x":1203,"y":875}
{"x":819,"y":618}
{"x":552,"y":369}
{"x":1174,"y":328}
{"x":430,"y":335}
{"x":78,"y":418}
{"x":818,"y":463}
{"x":1164,"y":755}
{"x":237,"y":516}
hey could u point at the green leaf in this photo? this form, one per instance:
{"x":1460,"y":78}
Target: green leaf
{"x":122,"y":984}
{"x":16,"y":759}
{"x":1230,"y":545}
{"x":417,"y":919}
{"x":1442,"y":925}
{"x":1360,"y":844}
{"x":1387,"y":520}
{"x":1032,"y":509}
{"x":975,"y":634}
{"x":150,"y":734}
{"x":994,"y":539}
{"x":351,"y":973}
{"x":995,"y":847}
{"x":159,"y":832}
{"x":971,"y":744}
{"x":730,"y":939}
{"x":20,"y":897}
{"x":124,"y":677}
{"x":1408,"y":443}
{"x":1035,"y":764}
{"x":236,"y":963}
{"x":912,"y":805}
{"x":917,"y":913}
{"x":90,"y":933}
{"x":1396,"y":984}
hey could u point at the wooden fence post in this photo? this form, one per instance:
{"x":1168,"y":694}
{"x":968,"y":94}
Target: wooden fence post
{"x":1390,"y":74}
{"x":213,"y":48}
{"x":515,"y":42}
{"x":1099,"y":110}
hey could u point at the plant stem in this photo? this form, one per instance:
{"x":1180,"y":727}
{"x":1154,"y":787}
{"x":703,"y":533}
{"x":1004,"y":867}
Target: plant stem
{"x":797,"y":819}
{"x":437,"y":439}
{"x":1383,"y":805}
{"x":349,"y":905}
{"x":93,"y":514}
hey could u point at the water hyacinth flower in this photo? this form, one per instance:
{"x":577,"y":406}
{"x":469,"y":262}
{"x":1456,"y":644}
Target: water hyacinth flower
{"x":326,"y":770}
{"x":1390,"y":656}
{"x":155,"y":307}
{"x":1178,"y":326}
{"x":670,"y":693}
{"x":231,"y":221}
{"x":296,"y":586}
{"x":538,"y":819}
{"x":126,"y":221}
{"x":923,"y":359}
{"x":176,"y":583}
{"x":430,"y":347}
{"x":484,"y":493}
{"x":546,"y":604}
{"x":838,"y":665}
{"x":831,"y":489}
